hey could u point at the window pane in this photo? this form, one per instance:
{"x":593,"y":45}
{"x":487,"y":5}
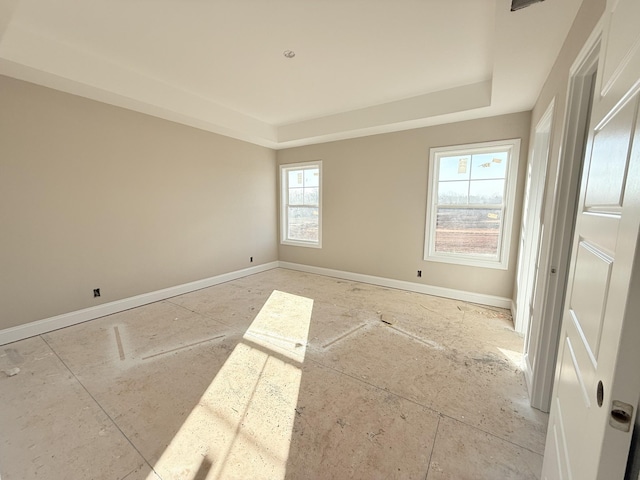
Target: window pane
{"x":454,"y":168}
{"x":295,"y":178}
{"x":468,"y":231}
{"x":312,"y":177}
{"x":311,"y":196}
{"x":486,"y":191}
{"x":470,"y":204}
{"x":489,"y":165}
{"x":453,"y":193}
{"x":303,"y":224}
{"x":296,"y":196}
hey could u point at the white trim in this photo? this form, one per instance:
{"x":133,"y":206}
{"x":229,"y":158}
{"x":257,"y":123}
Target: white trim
{"x":566,"y":190}
{"x":284,"y":219}
{"x":501,"y":262}
{"x":537,"y":213}
{"x":533,"y":215}
{"x":583,"y":57}
{"x":472,"y":297}
{"x":21,"y":332}
{"x":514,"y":309}
{"x":622,"y":65}
{"x":39,"y":327}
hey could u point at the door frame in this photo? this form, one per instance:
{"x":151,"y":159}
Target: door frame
{"x":537,"y":216}
{"x":556,"y":248}
{"x":531,"y":212}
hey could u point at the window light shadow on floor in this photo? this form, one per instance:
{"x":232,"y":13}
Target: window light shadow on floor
{"x":516,"y":358}
{"x":243,"y":422}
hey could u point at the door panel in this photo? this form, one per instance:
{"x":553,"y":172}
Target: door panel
{"x":555,"y":451}
{"x":531,"y":235}
{"x":622,"y":40}
{"x":593,"y":321}
{"x":609,"y":161}
{"x":597,"y":227}
{"x":572,"y":392}
{"x":588,"y":297}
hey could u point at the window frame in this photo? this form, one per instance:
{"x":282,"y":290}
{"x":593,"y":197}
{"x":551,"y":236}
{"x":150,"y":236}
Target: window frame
{"x":501,"y":261}
{"x":284,"y":216}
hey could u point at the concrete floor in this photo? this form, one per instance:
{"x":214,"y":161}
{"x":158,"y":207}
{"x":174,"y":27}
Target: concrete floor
{"x":277,"y":375}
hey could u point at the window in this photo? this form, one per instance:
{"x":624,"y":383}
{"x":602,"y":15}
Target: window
{"x":301,"y":205}
{"x":470,"y":203}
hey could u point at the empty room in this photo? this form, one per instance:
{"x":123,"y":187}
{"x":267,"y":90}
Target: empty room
{"x":319,"y":239}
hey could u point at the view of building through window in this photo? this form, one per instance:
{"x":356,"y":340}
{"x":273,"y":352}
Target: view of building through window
{"x":470,"y":203}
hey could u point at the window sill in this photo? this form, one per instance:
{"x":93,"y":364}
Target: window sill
{"x":468,"y":262}
{"x":293,"y":243}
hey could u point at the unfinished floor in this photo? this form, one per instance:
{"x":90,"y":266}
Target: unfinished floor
{"x":277,"y":375}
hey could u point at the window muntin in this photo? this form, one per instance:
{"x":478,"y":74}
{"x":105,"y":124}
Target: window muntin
{"x":301,"y":216}
{"x":470,"y":207}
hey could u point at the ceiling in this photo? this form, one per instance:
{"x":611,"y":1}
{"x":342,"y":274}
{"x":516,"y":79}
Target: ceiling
{"x":361,"y":66}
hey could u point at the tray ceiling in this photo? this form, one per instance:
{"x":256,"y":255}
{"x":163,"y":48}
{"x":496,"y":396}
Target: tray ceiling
{"x":360,"y":67}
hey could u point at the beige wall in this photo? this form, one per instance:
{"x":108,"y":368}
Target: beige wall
{"x":374,"y":204}
{"x":97,"y":196}
{"x":556,"y":84}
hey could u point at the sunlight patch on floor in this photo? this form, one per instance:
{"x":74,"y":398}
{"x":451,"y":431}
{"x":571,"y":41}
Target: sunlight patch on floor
{"x":242,"y":425}
{"x":514,"y":357}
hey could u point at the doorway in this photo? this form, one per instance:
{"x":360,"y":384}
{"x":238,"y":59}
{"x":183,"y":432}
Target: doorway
{"x":541,"y":309}
{"x":531,"y":235}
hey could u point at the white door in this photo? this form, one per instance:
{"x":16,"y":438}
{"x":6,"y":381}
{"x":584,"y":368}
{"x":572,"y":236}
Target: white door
{"x":596,"y":386}
{"x":531,"y":237}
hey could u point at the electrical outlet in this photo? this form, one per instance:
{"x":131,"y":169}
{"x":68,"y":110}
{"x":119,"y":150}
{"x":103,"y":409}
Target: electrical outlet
{"x":419,"y":273}
{"x":96,"y":292}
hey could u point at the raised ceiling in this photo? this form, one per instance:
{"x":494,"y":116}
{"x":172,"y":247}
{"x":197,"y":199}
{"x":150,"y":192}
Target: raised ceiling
{"x":361,"y":66}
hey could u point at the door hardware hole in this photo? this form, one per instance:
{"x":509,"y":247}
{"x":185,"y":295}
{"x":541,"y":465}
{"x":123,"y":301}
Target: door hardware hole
{"x":600,"y":393}
{"x":620,"y":415}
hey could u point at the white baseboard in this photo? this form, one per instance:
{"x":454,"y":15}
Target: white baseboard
{"x":38,"y":327}
{"x":472,"y":297}
{"x":514,"y":309}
